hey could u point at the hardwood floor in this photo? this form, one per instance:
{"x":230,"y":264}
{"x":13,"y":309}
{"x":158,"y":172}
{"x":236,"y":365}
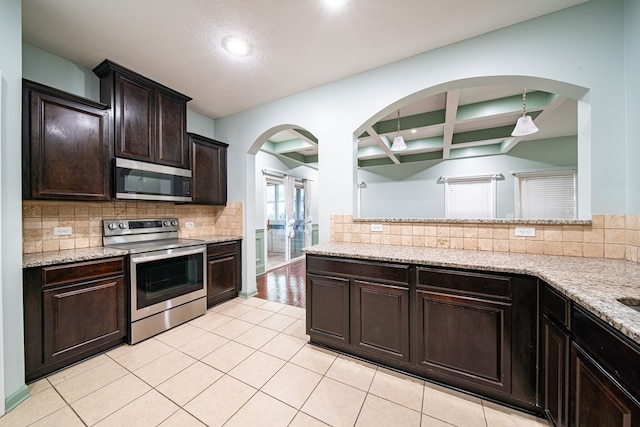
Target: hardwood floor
{"x":285,"y":284}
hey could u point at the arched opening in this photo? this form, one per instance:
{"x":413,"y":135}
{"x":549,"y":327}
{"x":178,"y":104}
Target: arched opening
{"x":462,"y":129}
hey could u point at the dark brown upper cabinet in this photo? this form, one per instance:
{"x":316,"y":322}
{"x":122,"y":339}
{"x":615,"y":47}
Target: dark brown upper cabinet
{"x":66,"y":145}
{"x":209,"y":170}
{"x":149,"y":119}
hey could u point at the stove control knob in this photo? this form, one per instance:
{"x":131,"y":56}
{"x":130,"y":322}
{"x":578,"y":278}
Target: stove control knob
{"x":174,"y":223}
{"x":166,"y":223}
{"x":112,"y":226}
{"x":122,"y":225}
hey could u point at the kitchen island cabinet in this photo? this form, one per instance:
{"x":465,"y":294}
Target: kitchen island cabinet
{"x":72,"y":311}
{"x":66,"y":147}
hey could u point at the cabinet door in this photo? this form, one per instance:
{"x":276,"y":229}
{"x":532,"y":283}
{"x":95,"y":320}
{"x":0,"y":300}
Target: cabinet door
{"x":134,"y":119}
{"x":209,"y":169}
{"x":556,"y":372}
{"x":222,"y":278}
{"x":380,"y":319}
{"x":69,"y":149}
{"x":328,"y":308}
{"x":598,"y":400}
{"x":171,"y":147}
{"x":82,"y":316}
{"x":464,"y":339}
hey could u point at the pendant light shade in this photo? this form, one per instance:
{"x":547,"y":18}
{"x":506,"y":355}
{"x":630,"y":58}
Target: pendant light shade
{"x":524,"y":125}
{"x":398,"y":141}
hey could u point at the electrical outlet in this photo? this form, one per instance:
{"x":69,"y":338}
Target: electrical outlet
{"x":188,"y":224}
{"x":376,"y":228}
{"x":526,"y":231}
{"x":62,"y":231}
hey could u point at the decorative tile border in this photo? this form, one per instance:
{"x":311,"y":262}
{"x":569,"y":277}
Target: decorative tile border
{"x":85,"y":219}
{"x":605,"y":236}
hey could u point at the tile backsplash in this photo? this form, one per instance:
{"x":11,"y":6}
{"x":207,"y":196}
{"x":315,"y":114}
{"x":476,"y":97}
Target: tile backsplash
{"x":85,"y":219}
{"x":607,"y":236}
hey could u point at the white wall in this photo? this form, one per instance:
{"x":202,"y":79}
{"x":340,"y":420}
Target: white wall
{"x":563,"y":46}
{"x":12,"y":359}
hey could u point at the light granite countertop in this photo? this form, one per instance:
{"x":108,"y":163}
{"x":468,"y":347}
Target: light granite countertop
{"x":594,"y":283}
{"x":42,"y":259}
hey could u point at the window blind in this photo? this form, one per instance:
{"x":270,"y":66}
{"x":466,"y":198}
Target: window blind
{"x":470,"y":198}
{"x":547,"y":196}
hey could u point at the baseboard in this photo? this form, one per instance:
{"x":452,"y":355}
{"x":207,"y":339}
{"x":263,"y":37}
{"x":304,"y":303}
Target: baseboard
{"x":247,"y":295}
{"x":16,"y":398}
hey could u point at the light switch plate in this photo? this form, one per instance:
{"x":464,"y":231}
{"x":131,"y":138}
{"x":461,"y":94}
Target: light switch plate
{"x":62,"y":231}
{"x":526,"y":231}
{"x":376,"y":228}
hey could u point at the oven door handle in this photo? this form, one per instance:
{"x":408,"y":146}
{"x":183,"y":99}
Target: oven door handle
{"x":166,"y":253}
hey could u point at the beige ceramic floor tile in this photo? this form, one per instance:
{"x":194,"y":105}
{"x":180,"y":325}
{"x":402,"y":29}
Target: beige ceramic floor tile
{"x":256,"y":337}
{"x":278,"y":322}
{"x":298,"y":329}
{"x":353,"y":372}
{"x":233,"y":329}
{"x":273,"y":306}
{"x":186,"y":385}
{"x":177,"y":337}
{"x":232,"y":309}
{"x":256,"y":316}
{"x":164,"y":367}
{"x":228,"y":356}
{"x":38,"y":386}
{"x":292,"y":384}
{"x":399,"y":388}
{"x":78,"y":368}
{"x":257,"y":369}
{"x":210,"y":321}
{"x":181,"y":419}
{"x":381,"y":412}
{"x":335,"y":403}
{"x":33,"y":409}
{"x":317,"y":359}
{"x":149,"y":409}
{"x":107,"y":400}
{"x":502,"y":416}
{"x":304,"y":420}
{"x":143,"y":353}
{"x":91,"y":380}
{"x":253,"y":301}
{"x":64,"y":417}
{"x":263,"y":410}
{"x":218,"y":403}
{"x":283,"y":346}
{"x":203,"y":345}
{"x":428,"y":421}
{"x":452,"y":406}
{"x":292,"y":311}
{"x":120,"y":350}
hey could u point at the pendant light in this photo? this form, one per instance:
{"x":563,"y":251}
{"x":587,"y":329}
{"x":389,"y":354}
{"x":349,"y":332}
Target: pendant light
{"x":398,"y":141}
{"x":524,"y":125}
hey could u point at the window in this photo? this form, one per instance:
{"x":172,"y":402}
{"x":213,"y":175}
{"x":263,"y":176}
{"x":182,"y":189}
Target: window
{"x":470,"y":197}
{"x":547,"y":194}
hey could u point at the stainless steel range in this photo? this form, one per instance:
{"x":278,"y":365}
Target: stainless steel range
{"x":168,"y":275}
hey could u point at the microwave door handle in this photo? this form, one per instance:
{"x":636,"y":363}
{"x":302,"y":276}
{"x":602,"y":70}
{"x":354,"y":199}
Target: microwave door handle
{"x":141,"y":258}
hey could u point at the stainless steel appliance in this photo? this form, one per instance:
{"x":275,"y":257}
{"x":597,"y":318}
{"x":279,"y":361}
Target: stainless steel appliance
{"x":137,"y":180}
{"x":168,"y":280}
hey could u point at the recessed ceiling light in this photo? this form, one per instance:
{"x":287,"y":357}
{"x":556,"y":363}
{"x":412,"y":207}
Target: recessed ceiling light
{"x":414,"y":130}
{"x":335,"y":4}
{"x":236,"y":46}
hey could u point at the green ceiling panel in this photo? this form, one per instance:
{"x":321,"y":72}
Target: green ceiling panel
{"x":484,"y":150}
{"x":421,"y":157}
{"x":291,"y":145}
{"x":535,"y":100}
{"x":410,"y":122}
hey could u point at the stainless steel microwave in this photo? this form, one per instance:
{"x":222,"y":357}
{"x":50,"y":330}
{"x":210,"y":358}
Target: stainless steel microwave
{"x":135,"y":180}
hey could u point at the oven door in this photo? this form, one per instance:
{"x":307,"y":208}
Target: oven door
{"x":161,"y":280}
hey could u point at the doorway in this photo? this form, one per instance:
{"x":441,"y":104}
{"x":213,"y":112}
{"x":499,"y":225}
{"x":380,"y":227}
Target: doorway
{"x":285,"y":219}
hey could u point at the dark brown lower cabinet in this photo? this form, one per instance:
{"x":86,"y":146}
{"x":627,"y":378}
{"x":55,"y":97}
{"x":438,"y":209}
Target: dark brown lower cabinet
{"x":328,"y":309}
{"x":224,"y":277}
{"x":380,"y":319}
{"x":72,"y":311}
{"x":556,"y":372}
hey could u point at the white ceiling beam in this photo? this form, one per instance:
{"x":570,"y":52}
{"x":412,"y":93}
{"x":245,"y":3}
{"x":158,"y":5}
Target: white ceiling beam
{"x":303,"y":137}
{"x":453,"y":99}
{"x":383,"y":144}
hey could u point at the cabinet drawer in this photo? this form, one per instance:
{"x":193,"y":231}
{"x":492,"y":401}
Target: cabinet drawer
{"x":214,"y":249}
{"x":555,"y":306}
{"x":385,"y":272}
{"x":81,"y":271}
{"x":464,"y":283}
